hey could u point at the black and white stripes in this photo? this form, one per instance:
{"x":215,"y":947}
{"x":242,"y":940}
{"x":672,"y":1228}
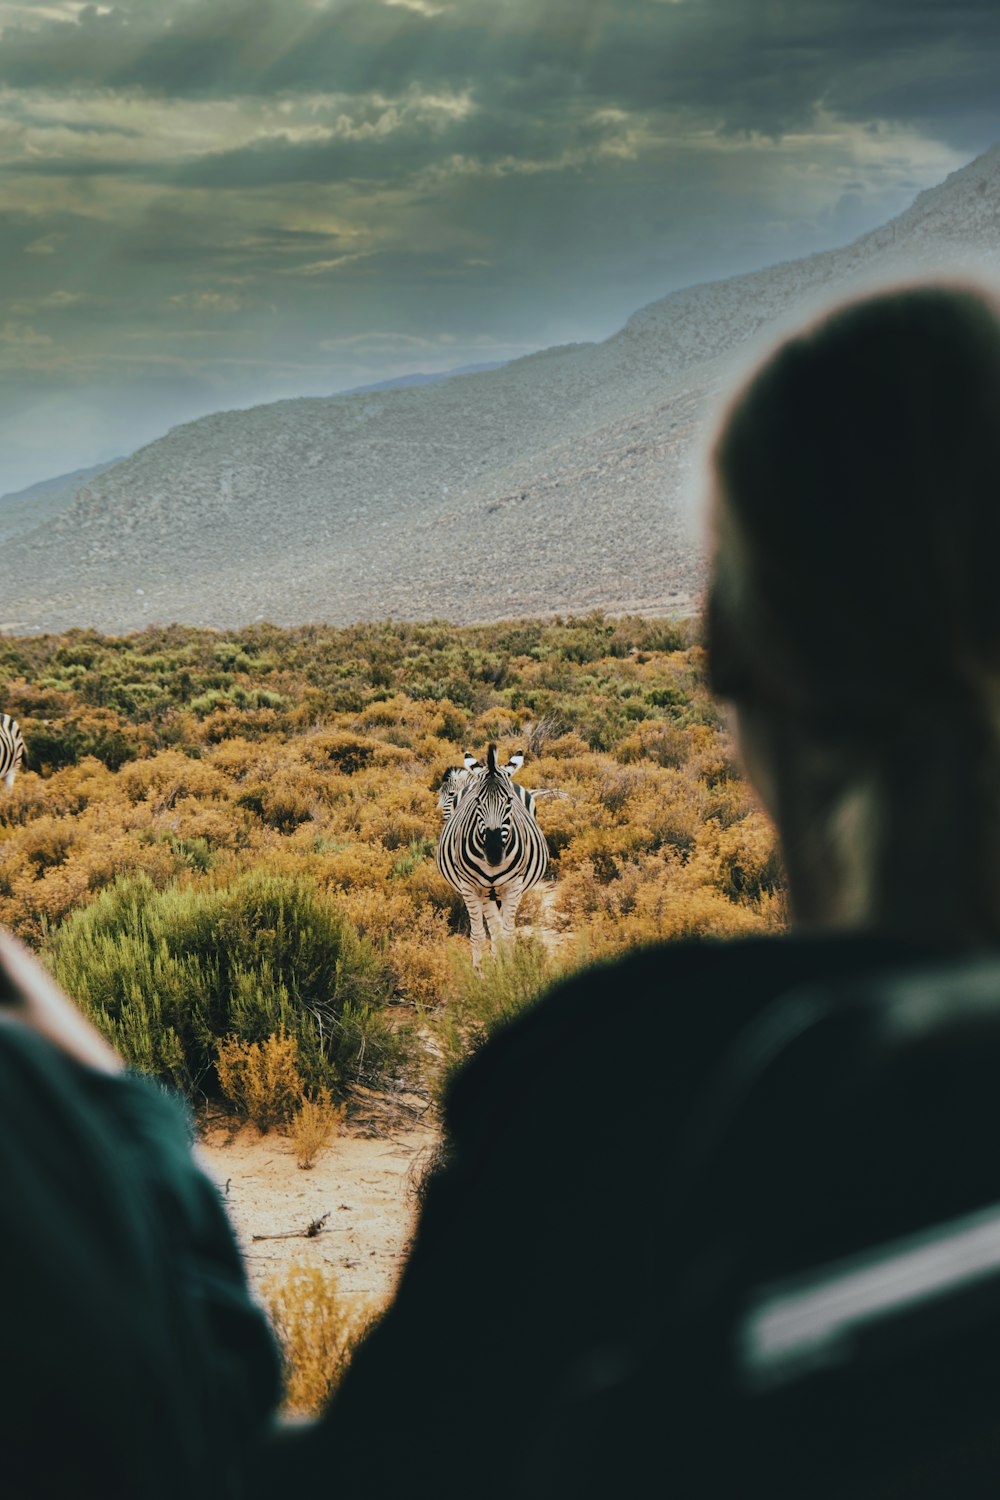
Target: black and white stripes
{"x":11,"y":749}
{"x":491,"y":849}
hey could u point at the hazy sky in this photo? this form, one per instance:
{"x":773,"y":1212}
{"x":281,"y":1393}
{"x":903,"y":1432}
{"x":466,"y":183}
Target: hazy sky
{"x":208,"y":203}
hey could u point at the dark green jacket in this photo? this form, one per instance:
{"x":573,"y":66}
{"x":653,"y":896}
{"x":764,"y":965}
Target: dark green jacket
{"x":133,"y":1361}
{"x":551,"y":1242}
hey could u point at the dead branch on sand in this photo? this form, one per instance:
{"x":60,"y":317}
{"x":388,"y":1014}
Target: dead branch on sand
{"x":316,"y":1227}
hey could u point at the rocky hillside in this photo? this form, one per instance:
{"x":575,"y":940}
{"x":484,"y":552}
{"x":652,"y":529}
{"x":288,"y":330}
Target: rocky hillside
{"x":22,"y":511}
{"x":561,"y":481}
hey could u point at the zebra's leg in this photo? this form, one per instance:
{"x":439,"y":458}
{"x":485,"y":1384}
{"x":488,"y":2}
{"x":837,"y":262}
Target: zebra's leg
{"x":493,"y":911}
{"x":474,"y":905}
{"x":511,"y":901}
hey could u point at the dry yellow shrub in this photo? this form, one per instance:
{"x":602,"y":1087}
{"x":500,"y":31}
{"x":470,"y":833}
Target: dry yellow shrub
{"x":193,"y":819}
{"x":169,"y":775}
{"x":284,"y":799}
{"x":424,"y":965}
{"x":349,"y":753}
{"x":498,"y":724}
{"x":694,"y":911}
{"x":531,"y":909}
{"x":25,"y":799}
{"x":318,"y":1330}
{"x":380,"y":911}
{"x":428,"y":887}
{"x":661,"y":741}
{"x":261,"y":1078}
{"x":355,"y":865}
{"x":71,"y":789}
{"x":47,"y":841}
{"x":314,"y":1126}
{"x":228,"y":720}
{"x":396,"y":712}
{"x":393,"y":828}
{"x":607,"y":851}
{"x":235,"y":757}
{"x":35,"y":893}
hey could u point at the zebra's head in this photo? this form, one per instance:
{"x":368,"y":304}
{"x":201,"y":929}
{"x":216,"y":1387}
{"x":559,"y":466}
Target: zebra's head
{"x":456,"y":782}
{"x":493,"y":809}
{"x":492,"y":784}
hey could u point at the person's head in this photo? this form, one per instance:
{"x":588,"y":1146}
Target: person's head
{"x":853,"y":615}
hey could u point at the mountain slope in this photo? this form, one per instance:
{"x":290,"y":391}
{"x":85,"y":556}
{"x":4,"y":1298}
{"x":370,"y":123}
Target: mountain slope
{"x":560,"y":481}
{"x":23,"y":510}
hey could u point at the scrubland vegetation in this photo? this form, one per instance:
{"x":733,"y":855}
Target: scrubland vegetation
{"x":223,"y":848}
{"x":224,"y":839}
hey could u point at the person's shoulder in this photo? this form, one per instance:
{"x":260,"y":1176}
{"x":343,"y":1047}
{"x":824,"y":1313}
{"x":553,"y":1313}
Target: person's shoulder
{"x":666,"y":1011}
{"x":639,"y":1006}
{"x":653,"y":976}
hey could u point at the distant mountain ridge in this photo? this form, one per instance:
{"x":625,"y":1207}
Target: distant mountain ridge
{"x":559,"y":481}
{"x":22,"y":510}
{"x":400,"y":382}
{"x":36,"y":504}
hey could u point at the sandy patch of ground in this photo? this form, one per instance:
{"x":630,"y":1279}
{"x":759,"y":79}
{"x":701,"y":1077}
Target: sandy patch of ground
{"x":364,"y":1184}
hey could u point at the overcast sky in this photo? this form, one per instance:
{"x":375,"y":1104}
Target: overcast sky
{"x":209,"y":203}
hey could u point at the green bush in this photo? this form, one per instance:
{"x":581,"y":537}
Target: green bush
{"x":167,"y":975}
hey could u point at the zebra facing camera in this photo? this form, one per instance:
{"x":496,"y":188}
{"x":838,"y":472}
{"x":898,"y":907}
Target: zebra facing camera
{"x":491,"y":849}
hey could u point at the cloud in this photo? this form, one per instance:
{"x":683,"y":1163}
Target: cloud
{"x":23,"y":336}
{"x":751,"y":64}
{"x":46,"y":244}
{"x":374,"y":340}
{"x":532,"y":81}
{"x":287,"y":195}
{"x":77,"y":166}
{"x":55,"y":301}
{"x":62,"y":298}
{"x":422,"y":7}
{"x":206,"y":302}
{"x":326,"y":267}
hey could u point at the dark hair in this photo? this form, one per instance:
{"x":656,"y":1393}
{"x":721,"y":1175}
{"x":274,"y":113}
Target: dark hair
{"x":856,"y":588}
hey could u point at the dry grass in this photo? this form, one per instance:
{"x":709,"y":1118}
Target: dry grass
{"x":318,"y":1330}
{"x":314,"y":1126}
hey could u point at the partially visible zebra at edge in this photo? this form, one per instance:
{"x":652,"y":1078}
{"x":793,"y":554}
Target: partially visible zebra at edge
{"x":491,"y":850}
{"x":12,"y":751}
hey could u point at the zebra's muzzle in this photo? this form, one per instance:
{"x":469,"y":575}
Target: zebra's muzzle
{"x":493,"y":843}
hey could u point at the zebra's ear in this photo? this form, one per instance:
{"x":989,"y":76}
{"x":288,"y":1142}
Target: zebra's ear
{"x":517,"y":760}
{"x":469,"y":761}
{"x":491,"y":758}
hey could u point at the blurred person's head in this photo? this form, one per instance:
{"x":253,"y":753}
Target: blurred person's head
{"x":854,"y":609}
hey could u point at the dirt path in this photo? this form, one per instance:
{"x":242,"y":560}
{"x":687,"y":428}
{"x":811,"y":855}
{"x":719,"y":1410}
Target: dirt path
{"x":365,"y":1185}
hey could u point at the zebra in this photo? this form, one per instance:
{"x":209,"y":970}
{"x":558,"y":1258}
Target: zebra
{"x":12,"y":751}
{"x":491,"y":850}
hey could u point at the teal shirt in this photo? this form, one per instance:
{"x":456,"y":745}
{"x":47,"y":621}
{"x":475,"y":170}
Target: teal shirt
{"x":133,"y":1360}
